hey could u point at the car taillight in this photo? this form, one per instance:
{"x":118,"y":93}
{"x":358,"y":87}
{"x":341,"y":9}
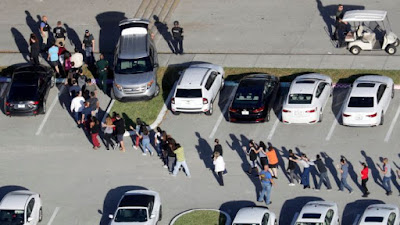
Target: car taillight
{"x":36,"y":102}
{"x":205,"y":101}
{"x":232,"y":109}
{"x":310,"y":111}
{"x":346,"y":115}
{"x":7,"y":104}
{"x":372,"y":115}
{"x":285,"y":110}
{"x":258,"y":110}
{"x":173,"y":100}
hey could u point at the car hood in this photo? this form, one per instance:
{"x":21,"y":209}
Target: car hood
{"x":133,"y":79}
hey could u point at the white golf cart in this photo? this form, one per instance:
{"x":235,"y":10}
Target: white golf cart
{"x":370,"y":30}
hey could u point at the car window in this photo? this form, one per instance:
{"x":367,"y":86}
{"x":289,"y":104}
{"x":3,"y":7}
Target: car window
{"x":132,"y":66}
{"x":265,"y":219}
{"x":150,"y":207}
{"x":320,"y":89}
{"x":361,"y":102}
{"x":210,"y":80}
{"x":380,"y":92}
{"x":329,"y":217}
{"x":391,"y":219}
{"x":131,"y":215}
{"x":300,"y":98}
{"x":14,"y":217}
{"x":29,"y":208}
{"x":188,"y":93}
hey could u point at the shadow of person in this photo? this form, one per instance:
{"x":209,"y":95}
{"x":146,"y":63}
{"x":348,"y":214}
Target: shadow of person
{"x":162,"y":29}
{"x":331,"y":167}
{"x":292,"y":207}
{"x":109,"y":30}
{"x":21,"y":43}
{"x":32,"y":24}
{"x":371,"y":165}
{"x":352,"y":173}
{"x":205,"y":153}
{"x":73,"y":38}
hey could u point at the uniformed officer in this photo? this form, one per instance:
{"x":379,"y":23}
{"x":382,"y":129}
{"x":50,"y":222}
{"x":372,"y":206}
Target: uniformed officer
{"x":177,"y":32}
{"x":44,"y":31}
{"x":340,"y":26}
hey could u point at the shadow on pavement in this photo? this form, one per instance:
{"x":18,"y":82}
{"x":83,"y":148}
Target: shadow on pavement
{"x":22,"y":44}
{"x":233,"y":207}
{"x":111,"y":200}
{"x":354,"y":210}
{"x":162,"y":28}
{"x":33,"y":24}
{"x":109,"y":30}
{"x":371,"y":165}
{"x":73,"y":38}
{"x":292,"y":207}
{"x":205,"y":152}
{"x":7,"y":189}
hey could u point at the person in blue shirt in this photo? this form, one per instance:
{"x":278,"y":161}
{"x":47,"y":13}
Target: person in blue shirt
{"x":53,"y":57}
{"x":344,"y":170}
{"x":266,"y":183}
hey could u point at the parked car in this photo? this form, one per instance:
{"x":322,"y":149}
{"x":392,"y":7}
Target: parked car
{"x":368,"y":101}
{"x":21,"y":208}
{"x":307,"y":98}
{"x":135,"y":62}
{"x":27,"y":93}
{"x":380,"y":214}
{"x":319,"y":212}
{"x":255,"y":216}
{"x":197,"y":88}
{"x":254,"y":98}
{"x":138,"y":207}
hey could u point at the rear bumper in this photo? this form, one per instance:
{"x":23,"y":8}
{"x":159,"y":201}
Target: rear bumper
{"x":288,"y":119}
{"x":253,"y":118}
{"x":22,"y":113}
{"x":360,"y":123}
{"x":201,"y":109}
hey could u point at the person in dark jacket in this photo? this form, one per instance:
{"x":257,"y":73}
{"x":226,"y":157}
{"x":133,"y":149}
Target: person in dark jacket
{"x":177,"y":32}
{"x":323,"y":173}
{"x":292,"y":165}
{"x":35,"y":49}
{"x":252,"y":153}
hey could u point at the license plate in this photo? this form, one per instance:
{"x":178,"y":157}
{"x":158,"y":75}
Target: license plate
{"x":245,"y":112}
{"x":298,"y":113}
{"x":359,"y":117}
{"x":21,"y":106}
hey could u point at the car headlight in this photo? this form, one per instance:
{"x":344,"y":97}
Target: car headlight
{"x":149,"y":84}
{"x":119,"y":87}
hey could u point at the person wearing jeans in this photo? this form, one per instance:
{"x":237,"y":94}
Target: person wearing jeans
{"x":180,"y":157}
{"x":387,"y":176}
{"x":145,"y":141}
{"x":266,"y":183}
{"x":76,"y":107}
{"x":305,"y":176}
{"x":219,"y":167}
{"x":344,"y":170}
{"x":323,"y":173}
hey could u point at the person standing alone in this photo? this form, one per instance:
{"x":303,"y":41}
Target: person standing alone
{"x":88,"y":46}
{"x":266,"y":183}
{"x":219,"y":167}
{"x":364,"y":179}
{"x":35,"y":49}
{"x":177,"y":32}
{"x":44,"y":32}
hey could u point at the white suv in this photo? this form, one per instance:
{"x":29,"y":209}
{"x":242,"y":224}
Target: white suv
{"x":197,"y":89}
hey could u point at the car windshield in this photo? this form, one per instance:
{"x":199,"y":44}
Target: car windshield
{"x":132,"y":66}
{"x":248,"y":96}
{"x":361,"y":102}
{"x":188,"y":93}
{"x":300,"y":98}
{"x":308,"y":223}
{"x":11,"y":217}
{"x":375,"y":219}
{"x":22,"y":92}
{"x":131,"y":215}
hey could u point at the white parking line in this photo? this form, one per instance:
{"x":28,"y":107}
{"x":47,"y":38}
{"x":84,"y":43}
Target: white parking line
{"x":48,"y":112}
{"x":387,"y":137}
{"x":53,"y":216}
{"x":337,"y":117}
{"x":222,"y":114}
{"x":271,"y":133}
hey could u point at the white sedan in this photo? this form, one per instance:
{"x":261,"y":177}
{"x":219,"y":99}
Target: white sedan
{"x":307,"y":97}
{"x":368,"y":101}
{"x":255,"y":216}
{"x":319,"y":213}
{"x":138,"y":207}
{"x":380,"y":214}
{"x":21,"y":208}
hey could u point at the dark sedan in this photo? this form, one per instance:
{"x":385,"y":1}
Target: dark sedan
{"x":28,"y":90}
{"x":254,"y":98}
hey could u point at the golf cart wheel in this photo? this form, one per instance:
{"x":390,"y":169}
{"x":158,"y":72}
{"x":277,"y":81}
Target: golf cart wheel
{"x":355,"y":50}
{"x":396,"y":43}
{"x":391,"y":49}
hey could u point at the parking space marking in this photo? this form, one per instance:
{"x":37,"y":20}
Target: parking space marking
{"x":48,"y":112}
{"x":53,"y":216}
{"x":214,"y":130}
{"x":271,"y":133}
{"x":337,"y":117}
{"x":389,"y":133}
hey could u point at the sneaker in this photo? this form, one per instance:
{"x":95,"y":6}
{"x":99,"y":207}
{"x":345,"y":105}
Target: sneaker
{"x":144,"y":153}
{"x":134,"y":147}
{"x":165,"y":166}
{"x":189,"y":176}
{"x":291,"y":184}
{"x":316,"y":189}
{"x":259,"y":201}
{"x":351,"y":192}
{"x":269,"y":203}
{"x":364,"y":195}
{"x":329,"y":189}
{"x":151,"y":153}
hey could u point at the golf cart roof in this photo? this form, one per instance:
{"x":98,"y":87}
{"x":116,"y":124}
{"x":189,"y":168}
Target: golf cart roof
{"x":364,"y":15}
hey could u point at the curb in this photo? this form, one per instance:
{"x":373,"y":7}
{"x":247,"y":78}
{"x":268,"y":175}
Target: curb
{"x":228,"y":218}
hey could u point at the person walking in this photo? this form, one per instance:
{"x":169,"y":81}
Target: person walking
{"x":386,"y":169}
{"x":323,"y":178}
{"x":164,"y":150}
{"x":272,"y":161}
{"x":138,"y":129}
{"x":252,"y":156}
{"x":180,"y":157}
{"x":217,"y":147}
{"x":158,"y":141}
{"x":108,"y":133}
{"x":35,"y":49}
{"x":144,"y":135}
{"x":266,"y":183}
{"x":305,"y":176}
{"x":76,"y":107}
{"x":262,"y":154}
{"x":94,"y":132}
{"x":364,"y":179}
{"x":44,"y":32}
{"x":291,"y":168}
{"x":344,"y":171}
{"x":88,"y":45}
{"x":59,"y":34}
{"x":102,"y":70}
{"x":53,"y":57}
{"x":219,"y":167}
{"x":86,"y":116}
{"x":120,"y":131}
{"x":170,"y":153}
{"x":177,"y":32}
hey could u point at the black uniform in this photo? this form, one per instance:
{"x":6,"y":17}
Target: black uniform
{"x":340,"y":27}
{"x":59,"y":32}
{"x":35,"y":51}
{"x":177,"y":39}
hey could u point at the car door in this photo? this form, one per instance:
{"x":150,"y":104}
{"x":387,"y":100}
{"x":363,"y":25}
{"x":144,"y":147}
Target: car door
{"x":329,"y":217}
{"x":210,"y":86}
{"x":265,"y":220}
{"x":30,"y":212}
{"x":380,"y":98}
{"x":321,"y":94}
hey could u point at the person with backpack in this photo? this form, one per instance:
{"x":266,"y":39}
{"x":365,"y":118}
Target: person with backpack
{"x":251,"y":152}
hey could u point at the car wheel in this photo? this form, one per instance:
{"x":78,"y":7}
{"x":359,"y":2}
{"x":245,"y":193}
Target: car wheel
{"x":392,"y":91}
{"x":53,"y":81}
{"x":112,"y":93}
{"x":157,"y":90}
{"x":175,"y":113}
{"x":320,"y":117}
{"x":160,"y":214}
{"x":44,"y":107}
{"x":396,"y":43}
{"x":40,"y":214}
{"x":276,"y":222}
{"x":382,"y":119}
{"x":210,"y":111}
{"x":391,"y":49}
{"x":268,"y":116}
{"x":355,"y":50}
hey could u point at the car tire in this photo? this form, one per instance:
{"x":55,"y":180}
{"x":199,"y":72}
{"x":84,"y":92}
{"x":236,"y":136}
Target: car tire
{"x":392,"y":91}
{"x":210,"y":111}
{"x":396,"y":43}
{"x":175,"y":113}
{"x":157,"y":92}
{"x":355,"y":50}
{"x":53,"y":81}
{"x":43,"y":107}
{"x":112,"y":94}
{"x":160,"y":214}
{"x":382,"y":119}
{"x":275,"y":222}
{"x":40,"y":214}
{"x":320,"y":116}
{"x":268,"y":117}
{"x":391,"y":49}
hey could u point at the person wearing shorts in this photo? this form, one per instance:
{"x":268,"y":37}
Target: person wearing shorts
{"x":53,"y":57}
{"x":272,"y":161}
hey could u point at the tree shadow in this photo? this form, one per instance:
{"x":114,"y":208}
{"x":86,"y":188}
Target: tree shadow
{"x":353,"y":175}
{"x":292,"y":207}
{"x":22,"y":44}
{"x":109,"y":30}
{"x":9,"y":188}
{"x":162,"y":29}
{"x":233,"y":207}
{"x":329,"y":163}
{"x":371,"y":165}
{"x":111,"y":200}
{"x":73,"y":37}
{"x":354,"y":210}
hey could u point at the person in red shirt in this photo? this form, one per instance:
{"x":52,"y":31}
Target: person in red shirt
{"x":364,"y":179}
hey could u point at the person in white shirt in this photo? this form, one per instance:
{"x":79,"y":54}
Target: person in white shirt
{"x":77,"y":59}
{"x":305,"y":163}
{"x":77,"y":105}
{"x":219,"y":167}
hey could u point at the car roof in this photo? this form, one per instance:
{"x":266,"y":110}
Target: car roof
{"x":133,"y":44}
{"x":320,"y":207}
{"x":249,"y":215}
{"x":382,"y":210}
{"x":362,"y":86}
{"x":259,"y":77}
{"x":364,"y":15}
{"x":26,"y":77}
{"x":15,"y":200}
{"x":137,"y":199}
{"x":193,"y":77}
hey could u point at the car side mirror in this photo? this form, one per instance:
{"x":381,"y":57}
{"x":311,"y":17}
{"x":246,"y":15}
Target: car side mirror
{"x":152,"y":216}
{"x":111,"y":216}
{"x":30,"y":219}
{"x":155,"y":65}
